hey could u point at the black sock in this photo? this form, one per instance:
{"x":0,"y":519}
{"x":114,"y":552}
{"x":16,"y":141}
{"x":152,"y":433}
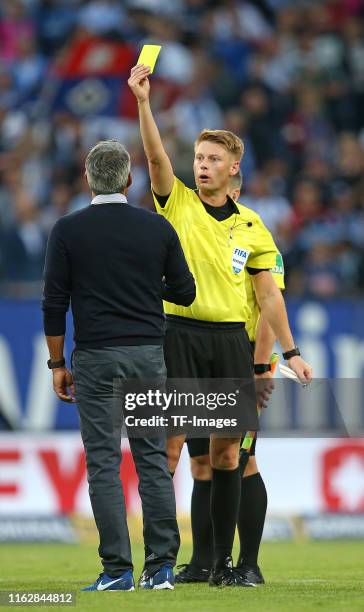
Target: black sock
{"x":225,"y":497}
{"x":252,"y":510}
{"x":202,"y":538}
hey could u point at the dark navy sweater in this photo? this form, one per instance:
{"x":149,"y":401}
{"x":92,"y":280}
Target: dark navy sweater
{"x":109,"y":261}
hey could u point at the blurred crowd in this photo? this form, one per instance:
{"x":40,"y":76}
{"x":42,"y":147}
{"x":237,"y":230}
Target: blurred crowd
{"x":286,"y":75}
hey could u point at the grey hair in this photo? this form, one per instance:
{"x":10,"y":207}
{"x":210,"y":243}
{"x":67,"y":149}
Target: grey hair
{"x":236,"y":181}
{"x":107,"y":167}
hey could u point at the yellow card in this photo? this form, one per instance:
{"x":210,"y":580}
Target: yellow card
{"x":148,"y":55}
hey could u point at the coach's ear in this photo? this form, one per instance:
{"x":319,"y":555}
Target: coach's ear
{"x":128,"y":183}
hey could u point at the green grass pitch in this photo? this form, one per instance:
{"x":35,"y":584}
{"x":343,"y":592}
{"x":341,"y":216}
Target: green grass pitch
{"x":300,"y":576}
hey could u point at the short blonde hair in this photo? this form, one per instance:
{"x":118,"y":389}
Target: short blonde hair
{"x":232,"y":143}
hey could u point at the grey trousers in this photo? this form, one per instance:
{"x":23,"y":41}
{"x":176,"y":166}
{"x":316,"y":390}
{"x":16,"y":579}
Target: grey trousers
{"x":94,"y":371}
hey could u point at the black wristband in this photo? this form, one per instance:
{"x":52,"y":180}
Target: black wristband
{"x":262,"y":368}
{"x":292,"y":353}
{"x":56,"y":364}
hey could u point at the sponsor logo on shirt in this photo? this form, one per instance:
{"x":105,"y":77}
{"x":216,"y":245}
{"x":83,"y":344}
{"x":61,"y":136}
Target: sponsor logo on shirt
{"x":279,"y":267}
{"x":239,"y":259}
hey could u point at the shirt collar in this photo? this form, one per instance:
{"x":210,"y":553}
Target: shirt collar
{"x":109,"y":198}
{"x":233,"y":205}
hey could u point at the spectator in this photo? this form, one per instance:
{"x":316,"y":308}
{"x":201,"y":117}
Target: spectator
{"x":82,"y":195}
{"x":307,"y":207}
{"x":101,"y":16}
{"x":261,"y":128}
{"x":236,"y":121}
{"x":58,"y":206}
{"x":273,"y":209}
{"x":14,"y":25}
{"x":195,"y":109}
{"x":54,"y":22}
{"x":28,"y":66}
{"x":322,"y":272}
{"x":10,"y":180}
{"x":24,"y":243}
{"x":307,"y":130}
{"x":8,"y":94}
{"x":176,"y":62}
{"x":350,"y":159}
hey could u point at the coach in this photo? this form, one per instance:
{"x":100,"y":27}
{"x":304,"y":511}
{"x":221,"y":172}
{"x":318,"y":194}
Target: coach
{"x":116,"y":263}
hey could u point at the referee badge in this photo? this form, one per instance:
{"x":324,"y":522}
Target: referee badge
{"x":279,"y":267}
{"x":239,"y":259}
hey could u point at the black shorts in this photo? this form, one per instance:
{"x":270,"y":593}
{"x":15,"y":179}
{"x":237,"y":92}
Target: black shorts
{"x":199,"y":349}
{"x":201,"y":446}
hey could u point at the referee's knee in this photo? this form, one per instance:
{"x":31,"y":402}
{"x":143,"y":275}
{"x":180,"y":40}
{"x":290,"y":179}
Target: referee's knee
{"x":201,"y":468}
{"x":225,"y":459}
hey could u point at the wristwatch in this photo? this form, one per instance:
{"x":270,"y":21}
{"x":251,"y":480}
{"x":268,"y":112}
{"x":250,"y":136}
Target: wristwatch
{"x":56,"y":364}
{"x":292,"y":353}
{"x":262,"y":368}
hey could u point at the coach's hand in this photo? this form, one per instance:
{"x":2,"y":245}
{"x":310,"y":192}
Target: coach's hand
{"x":139,"y":82}
{"x":62,"y":381}
{"x":264,"y":387}
{"x":302,"y":369}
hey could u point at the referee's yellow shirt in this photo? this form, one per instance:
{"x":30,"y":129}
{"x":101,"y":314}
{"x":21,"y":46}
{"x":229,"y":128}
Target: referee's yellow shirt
{"x":217,"y":253}
{"x":278,"y":275}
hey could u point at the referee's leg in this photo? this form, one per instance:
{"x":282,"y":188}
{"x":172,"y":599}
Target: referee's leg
{"x":225,"y":496}
{"x":252,"y":512}
{"x":201,"y":525}
{"x":180,"y":359}
{"x":233,"y":360}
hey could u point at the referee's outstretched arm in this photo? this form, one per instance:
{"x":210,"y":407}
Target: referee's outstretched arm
{"x":160,"y":167}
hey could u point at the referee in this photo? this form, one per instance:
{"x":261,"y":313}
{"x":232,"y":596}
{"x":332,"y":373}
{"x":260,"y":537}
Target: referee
{"x":253,"y":500}
{"x":109,"y":260}
{"x":209,"y":339}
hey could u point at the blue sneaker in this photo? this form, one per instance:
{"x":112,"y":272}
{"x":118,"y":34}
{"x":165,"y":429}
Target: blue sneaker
{"x":161,"y":579}
{"x":125,"y":582}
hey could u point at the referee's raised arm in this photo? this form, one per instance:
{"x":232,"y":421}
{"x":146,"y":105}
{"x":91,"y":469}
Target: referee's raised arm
{"x":160,"y":167}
